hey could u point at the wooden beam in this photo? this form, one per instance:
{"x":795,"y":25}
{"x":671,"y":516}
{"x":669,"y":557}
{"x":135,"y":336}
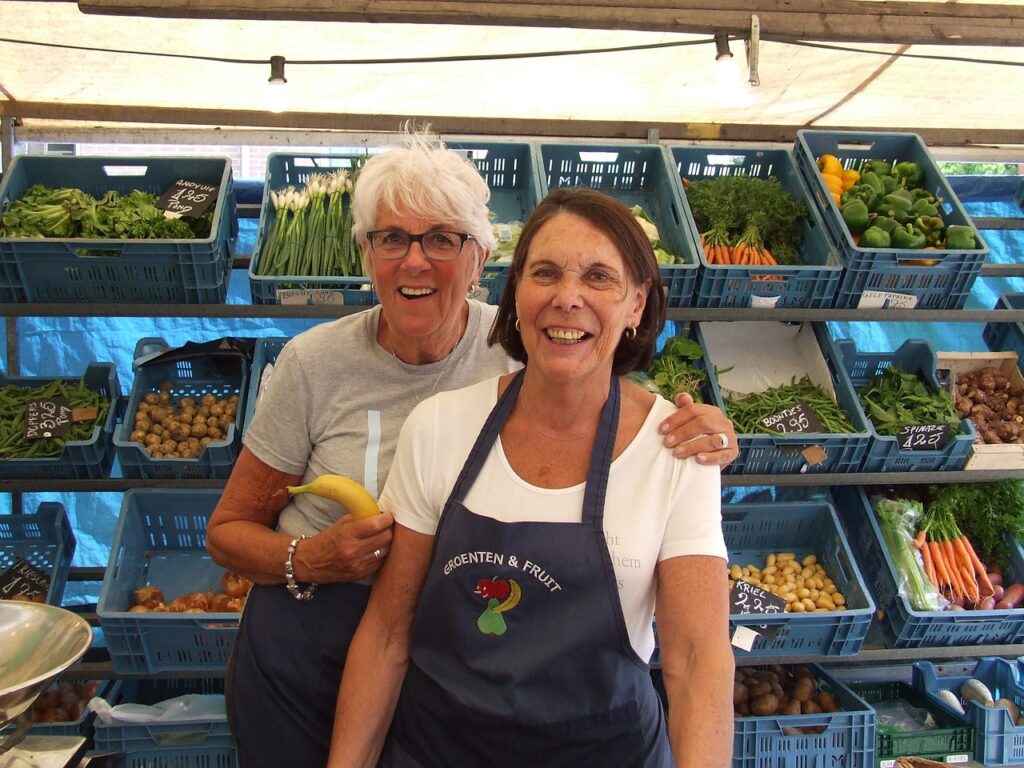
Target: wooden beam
{"x":893,"y":21}
{"x":599,"y":129}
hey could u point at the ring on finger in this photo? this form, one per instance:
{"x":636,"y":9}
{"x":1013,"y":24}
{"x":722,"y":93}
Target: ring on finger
{"x":377,"y":554}
{"x":725,"y":440}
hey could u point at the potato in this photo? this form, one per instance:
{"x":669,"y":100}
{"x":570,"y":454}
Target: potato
{"x":810,"y":707}
{"x":827,"y":702}
{"x":764,"y":705}
{"x":803,"y":689}
{"x":792,"y":707}
{"x":760,"y":688}
{"x":740,"y":693}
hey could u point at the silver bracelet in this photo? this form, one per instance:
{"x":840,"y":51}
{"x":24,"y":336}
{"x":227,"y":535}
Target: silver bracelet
{"x":289,"y":574}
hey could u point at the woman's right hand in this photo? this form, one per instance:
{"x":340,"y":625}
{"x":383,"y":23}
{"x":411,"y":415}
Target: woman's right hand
{"x":348,"y":550}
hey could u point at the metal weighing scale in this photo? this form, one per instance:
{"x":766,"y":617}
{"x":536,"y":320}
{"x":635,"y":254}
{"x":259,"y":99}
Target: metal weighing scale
{"x":37,"y":643}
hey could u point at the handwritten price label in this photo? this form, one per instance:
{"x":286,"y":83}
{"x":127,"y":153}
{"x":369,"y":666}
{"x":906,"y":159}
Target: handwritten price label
{"x":924,"y":437}
{"x":47,"y":418}
{"x":796,"y":418}
{"x":187,"y":198}
{"x":22,"y":580}
{"x":745,"y":598}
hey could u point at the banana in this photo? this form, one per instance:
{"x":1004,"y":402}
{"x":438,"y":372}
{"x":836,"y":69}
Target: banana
{"x":343,"y":490}
{"x":513,"y":598}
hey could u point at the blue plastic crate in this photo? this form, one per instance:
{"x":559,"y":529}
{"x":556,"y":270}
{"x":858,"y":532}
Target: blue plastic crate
{"x":1006,"y":337}
{"x":160,"y":540}
{"x":771,"y":454}
{"x":264,"y":353}
{"x":221,"y":376}
{"x":948,"y":741}
{"x":80,"y":726}
{"x":912,"y":628}
{"x":635,"y":175}
{"x":811,"y":284}
{"x":205,"y":743}
{"x":81,"y":459}
{"x":884,"y":453}
{"x":753,"y":531}
{"x":848,"y":738}
{"x":120,"y":271}
{"x":998,"y":740}
{"x":44,"y":540}
{"x":945,"y":285}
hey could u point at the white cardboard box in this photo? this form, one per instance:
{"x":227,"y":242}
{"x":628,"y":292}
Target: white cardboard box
{"x":984,"y":455}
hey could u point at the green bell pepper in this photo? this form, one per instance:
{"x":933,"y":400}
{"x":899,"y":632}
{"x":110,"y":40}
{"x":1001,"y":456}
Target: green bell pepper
{"x":885,"y":223}
{"x":909,"y":173}
{"x":875,"y":237}
{"x":906,"y":237}
{"x":871,"y":179}
{"x":894,"y":206}
{"x":881,"y":167}
{"x":890,"y":183}
{"x":960,"y":238}
{"x":855,"y":215}
{"x":922,"y":207}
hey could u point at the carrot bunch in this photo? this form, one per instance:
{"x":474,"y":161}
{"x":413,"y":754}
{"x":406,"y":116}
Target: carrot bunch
{"x":950,"y":561}
{"x":719,"y":251}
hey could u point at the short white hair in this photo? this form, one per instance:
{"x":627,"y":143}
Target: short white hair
{"x":425,"y":179}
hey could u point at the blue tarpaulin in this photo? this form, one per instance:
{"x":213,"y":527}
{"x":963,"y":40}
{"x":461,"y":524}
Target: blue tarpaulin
{"x":65,"y":346}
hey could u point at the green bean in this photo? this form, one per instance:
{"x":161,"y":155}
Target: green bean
{"x":747,"y":413}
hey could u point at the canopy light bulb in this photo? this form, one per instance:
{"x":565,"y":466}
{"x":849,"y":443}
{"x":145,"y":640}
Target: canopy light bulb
{"x":276,"y":95}
{"x":727,"y":68}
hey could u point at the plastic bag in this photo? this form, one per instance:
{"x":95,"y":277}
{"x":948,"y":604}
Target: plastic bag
{"x":897,"y":520}
{"x":180,"y":709}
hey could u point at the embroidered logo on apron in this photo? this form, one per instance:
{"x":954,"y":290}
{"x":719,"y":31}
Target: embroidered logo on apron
{"x":501,"y":596}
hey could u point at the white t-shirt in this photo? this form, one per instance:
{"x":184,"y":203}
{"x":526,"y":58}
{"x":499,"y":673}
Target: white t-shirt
{"x":657,"y":506}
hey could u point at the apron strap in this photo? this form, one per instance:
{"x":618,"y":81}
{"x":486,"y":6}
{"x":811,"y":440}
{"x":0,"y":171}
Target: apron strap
{"x":601,"y":458}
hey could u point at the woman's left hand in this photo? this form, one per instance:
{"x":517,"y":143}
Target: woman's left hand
{"x":700,"y":430}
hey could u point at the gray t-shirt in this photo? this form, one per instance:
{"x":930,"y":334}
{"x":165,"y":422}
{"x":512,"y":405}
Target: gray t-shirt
{"x":336,"y":401}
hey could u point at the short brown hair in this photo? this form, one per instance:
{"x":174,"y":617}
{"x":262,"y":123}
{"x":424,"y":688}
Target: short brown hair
{"x":618,"y":223}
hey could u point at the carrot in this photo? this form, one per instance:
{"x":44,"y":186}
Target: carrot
{"x":977,"y":565}
{"x":939,"y":561}
{"x":723,"y":255}
{"x":929,"y":566}
{"x":740,"y":252}
{"x":919,"y":539}
{"x":970,"y":585}
{"x":766,"y":255}
{"x":954,"y":569}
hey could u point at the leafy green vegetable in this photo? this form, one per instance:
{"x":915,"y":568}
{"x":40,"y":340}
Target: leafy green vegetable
{"x":896,"y":398}
{"x":747,"y":412}
{"x":985,"y":512}
{"x":672,"y":372}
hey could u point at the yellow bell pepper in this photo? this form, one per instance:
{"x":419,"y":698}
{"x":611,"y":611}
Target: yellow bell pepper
{"x":834,"y":183}
{"x":850,"y":177}
{"x":829,"y":164}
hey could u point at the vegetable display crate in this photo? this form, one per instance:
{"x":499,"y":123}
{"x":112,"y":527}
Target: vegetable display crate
{"x":285,"y":169}
{"x":263,"y":354}
{"x":889,"y":274}
{"x":987,"y":455}
{"x":80,"y":726}
{"x":138,"y":271}
{"x":160,"y":541}
{"x":753,"y":531}
{"x":512,"y":172}
{"x":201,"y":743}
{"x":751,"y":356}
{"x":89,"y":459}
{"x":999,"y":741}
{"x":1006,"y":337}
{"x":811,"y":284}
{"x":635,"y":175}
{"x":884,"y":453}
{"x":910,"y":627}
{"x":221,"y":376}
{"x":848,"y":738}
{"x":948,"y":741}
{"x":44,"y":540}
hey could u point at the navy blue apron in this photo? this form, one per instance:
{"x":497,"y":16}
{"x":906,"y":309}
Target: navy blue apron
{"x":519,"y":651}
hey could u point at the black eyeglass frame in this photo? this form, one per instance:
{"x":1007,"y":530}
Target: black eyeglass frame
{"x":464,"y":237}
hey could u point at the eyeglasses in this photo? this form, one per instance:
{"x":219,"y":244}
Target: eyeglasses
{"x":437,"y":245}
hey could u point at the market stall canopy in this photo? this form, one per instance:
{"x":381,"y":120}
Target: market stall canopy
{"x":58,"y":63}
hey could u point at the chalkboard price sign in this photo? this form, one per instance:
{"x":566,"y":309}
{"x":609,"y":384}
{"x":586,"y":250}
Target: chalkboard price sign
{"x":745,"y":598}
{"x":47,"y":418}
{"x":187,"y":198}
{"x":797,"y":418}
{"x":24,"y":582}
{"x":924,"y":437}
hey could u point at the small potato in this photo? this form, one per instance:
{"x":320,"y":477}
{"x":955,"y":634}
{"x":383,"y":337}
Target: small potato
{"x":803,"y":689}
{"x":810,"y":707}
{"x":810,"y":560}
{"x":792,"y":707}
{"x":207,"y":400}
{"x":760,"y":688}
{"x":764,"y":705}
{"x":740,"y":693}
{"x":838,"y":599}
{"x":827,"y":702}
{"x":150,"y":398}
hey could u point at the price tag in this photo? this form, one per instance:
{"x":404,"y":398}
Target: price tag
{"x":886,"y":300}
{"x":310,"y":296}
{"x":21,"y":580}
{"x":924,"y":437}
{"x":47,"y":418}
{"x":764,"y":302}
{"x":745,"y":598}
{"x":796,"y":418}
{"x":187,"y":198}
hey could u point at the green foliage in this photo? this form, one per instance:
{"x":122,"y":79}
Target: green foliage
{"x":985,"y":512}
{"x":951,"y":168}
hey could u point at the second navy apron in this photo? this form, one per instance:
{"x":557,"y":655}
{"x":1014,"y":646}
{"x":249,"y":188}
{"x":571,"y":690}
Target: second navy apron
{"x":519,"y":651}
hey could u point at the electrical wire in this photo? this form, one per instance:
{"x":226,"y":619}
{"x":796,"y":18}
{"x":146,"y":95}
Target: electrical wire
{"x":509,"y":56}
